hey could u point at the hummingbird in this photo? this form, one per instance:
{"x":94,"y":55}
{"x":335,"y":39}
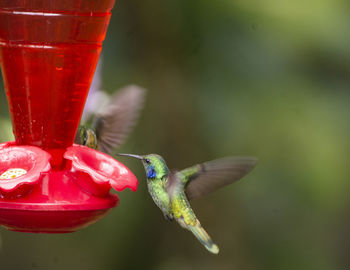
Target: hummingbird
{"x":112,"y":122}
{"x":172,"y":190}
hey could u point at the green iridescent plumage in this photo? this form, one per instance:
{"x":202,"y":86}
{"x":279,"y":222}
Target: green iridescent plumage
{"x":86,"y":136}
{"x":172,"y":190}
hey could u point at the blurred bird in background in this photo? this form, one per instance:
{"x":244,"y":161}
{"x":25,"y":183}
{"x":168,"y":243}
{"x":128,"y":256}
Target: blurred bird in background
{"x":171,"y":190}
{"x":107,"y":121}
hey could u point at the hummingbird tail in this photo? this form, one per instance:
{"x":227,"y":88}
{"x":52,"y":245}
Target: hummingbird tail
{"x":204,"y":238}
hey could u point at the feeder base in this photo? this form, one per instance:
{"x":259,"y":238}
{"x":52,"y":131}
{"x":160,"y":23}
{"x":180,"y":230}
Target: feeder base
{"x":48,"y":221}
{"x":59,"y":204}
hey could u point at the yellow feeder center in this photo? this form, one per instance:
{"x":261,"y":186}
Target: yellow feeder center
{"x":13,"y":173}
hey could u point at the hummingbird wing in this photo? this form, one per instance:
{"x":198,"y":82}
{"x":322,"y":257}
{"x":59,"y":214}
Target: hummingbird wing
{"x":114,"y":123}
{"x":204,"y":178}
{"x":96,"y":98}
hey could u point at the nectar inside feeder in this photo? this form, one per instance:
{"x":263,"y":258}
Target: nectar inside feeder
{"x":48,"y":55}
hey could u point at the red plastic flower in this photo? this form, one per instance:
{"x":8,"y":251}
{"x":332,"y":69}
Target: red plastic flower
{"x":102,"y":168}
{"x":21,"y":165}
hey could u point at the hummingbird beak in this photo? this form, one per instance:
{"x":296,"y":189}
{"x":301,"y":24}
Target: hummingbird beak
{"x":130,"y":155}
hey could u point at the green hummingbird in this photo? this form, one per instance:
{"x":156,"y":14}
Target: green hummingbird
{"x":107,"y":128}
{"x":172,"y":190}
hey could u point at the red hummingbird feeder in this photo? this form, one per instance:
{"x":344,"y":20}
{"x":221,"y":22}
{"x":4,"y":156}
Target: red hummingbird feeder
{"x":48,"y":54}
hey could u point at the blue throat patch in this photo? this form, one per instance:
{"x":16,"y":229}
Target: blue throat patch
{"x":151,"y":173}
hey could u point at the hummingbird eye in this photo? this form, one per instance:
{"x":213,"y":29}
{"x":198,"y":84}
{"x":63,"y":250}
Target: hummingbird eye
{"x":84,"y":140}
{"x":147,"y":161}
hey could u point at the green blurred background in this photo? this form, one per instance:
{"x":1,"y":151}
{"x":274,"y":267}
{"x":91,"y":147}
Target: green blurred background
{"x":260,"y":78}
